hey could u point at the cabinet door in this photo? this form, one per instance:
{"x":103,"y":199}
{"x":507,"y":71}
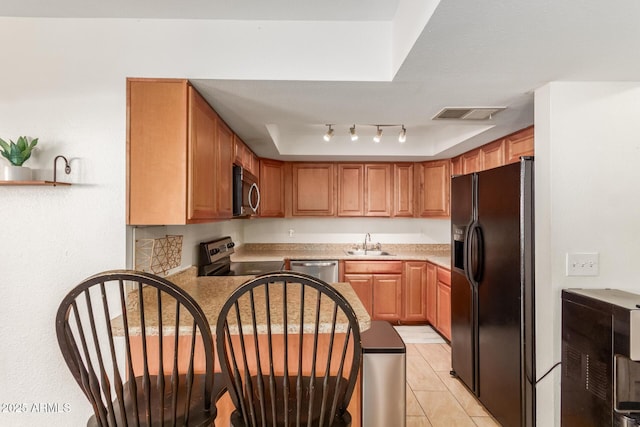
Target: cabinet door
{"x":471,"y":161}
{"x":432,"y":295}
{"x":434,"y":188}
{"x":444,"y":302}
{"x":456,"y":166}
{"x":203,"y":159}
{"x":387,"y":297}
{"x":313,"y":189}
{"x":415,"y":291}
{"x":157,"y":151}
{"x":403,"y":190}
{"x":271,"y":188}
{"x":377,"y":188}
{"x":362,"y":284}
{"x":350,"y":190}
{"x":238,"y":151}
{"x":493,"y":155}
{"x":224,"y":170}
{"x":520,"y":144}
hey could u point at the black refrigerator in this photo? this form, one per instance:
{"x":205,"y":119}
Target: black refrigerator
{"x":492,"y":289}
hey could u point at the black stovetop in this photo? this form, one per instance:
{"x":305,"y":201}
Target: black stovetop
{"x":215,"y":260}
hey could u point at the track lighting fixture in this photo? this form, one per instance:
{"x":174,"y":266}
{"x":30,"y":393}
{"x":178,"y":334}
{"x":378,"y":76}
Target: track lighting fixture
{"x":403,"y":135}
{"x":329,"y":134}
{"x":378,"y":136}
{"x":352,"y":131}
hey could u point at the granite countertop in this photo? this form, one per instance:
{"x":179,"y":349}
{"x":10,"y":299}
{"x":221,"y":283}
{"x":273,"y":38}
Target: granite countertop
{"x":211,"y":293}
{"x":439,"y":254}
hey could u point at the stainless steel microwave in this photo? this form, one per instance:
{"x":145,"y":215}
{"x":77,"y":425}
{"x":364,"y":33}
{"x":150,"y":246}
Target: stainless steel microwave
{"x":246,"y":193}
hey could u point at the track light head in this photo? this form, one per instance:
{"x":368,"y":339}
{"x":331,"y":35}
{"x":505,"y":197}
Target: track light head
{"x":329,"y":134}
{"x":403,"y":135}
{"x":378,"y":136}
{"x":352,"y":131}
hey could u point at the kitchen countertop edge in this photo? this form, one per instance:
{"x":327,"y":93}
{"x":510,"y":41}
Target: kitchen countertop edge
{"x":438,"y":255}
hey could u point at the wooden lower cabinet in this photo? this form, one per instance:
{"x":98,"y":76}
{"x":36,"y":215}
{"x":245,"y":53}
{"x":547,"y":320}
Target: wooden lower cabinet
{"x":387,"y":297}
{"x":362,"y":284}
{"x":403,"y":291}
{"x":378,"y":284}
{"x":415,"y":291}
{"x":443,"y":301}
{"x":432,"y":294}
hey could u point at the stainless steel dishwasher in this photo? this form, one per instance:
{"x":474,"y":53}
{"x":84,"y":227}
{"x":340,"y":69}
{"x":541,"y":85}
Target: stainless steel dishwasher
{"x":325,"y":270}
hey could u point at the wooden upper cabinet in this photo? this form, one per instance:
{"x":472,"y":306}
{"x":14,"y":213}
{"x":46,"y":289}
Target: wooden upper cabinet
{"x":203,"y":154}
{"x":403,"y":200}
{"x":471,"y":161}
{"x":173,"y":162}
{"x":456,"y":166}
{"x":493,"y":155}
{"x":180,"y":155}
{"x":364,"y":189}
{"x":434,"y":188}
{"x":272,"y":184}
{"x":377,"y":189}
{"x":520,"y":144}
{"x":224,"y":170}
{"x":313,"y":189}
{"x":350,"y":189}
{"x":243,"y":156}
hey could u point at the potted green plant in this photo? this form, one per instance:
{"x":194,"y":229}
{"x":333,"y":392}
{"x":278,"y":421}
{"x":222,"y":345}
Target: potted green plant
{"x":17,"y":153}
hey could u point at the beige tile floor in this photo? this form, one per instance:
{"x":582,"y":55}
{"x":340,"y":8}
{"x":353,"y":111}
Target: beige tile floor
{"x":436,"y":399}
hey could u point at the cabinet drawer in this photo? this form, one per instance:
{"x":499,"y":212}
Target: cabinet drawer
{"x":368,"y":267}
{"x":444,"y":276}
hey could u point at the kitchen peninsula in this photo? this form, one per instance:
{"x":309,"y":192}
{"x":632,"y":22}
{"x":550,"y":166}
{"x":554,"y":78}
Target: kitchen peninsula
{"x":211,"y":293}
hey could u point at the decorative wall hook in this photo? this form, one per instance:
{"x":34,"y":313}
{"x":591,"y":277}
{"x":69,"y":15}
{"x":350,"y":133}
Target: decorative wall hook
{"x":67,"y":167}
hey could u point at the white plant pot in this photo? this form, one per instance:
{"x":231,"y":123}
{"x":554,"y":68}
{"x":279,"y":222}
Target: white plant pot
{"x":16,"y":173}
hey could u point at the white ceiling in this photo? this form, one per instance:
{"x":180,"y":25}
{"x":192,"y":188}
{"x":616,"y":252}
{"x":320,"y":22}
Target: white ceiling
{"x":456,"y":53}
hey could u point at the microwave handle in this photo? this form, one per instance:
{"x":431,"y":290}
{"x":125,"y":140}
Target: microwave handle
{"x":254,"y":186}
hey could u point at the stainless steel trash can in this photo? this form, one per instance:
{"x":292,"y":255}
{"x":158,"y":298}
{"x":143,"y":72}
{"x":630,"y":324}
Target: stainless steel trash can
{"x":384,"y":373}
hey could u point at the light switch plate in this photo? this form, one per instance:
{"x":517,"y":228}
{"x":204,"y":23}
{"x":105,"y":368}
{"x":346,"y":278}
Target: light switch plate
{"x":583,"y":264}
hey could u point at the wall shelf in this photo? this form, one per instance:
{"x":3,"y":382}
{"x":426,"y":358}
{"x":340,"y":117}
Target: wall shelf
{"x":54,"y":183}
{"x":45,"y":183}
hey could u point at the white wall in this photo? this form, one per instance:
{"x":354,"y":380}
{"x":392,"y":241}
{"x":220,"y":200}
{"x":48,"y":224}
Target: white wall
{"x":587,"y":146}
{"x":63,"y":80}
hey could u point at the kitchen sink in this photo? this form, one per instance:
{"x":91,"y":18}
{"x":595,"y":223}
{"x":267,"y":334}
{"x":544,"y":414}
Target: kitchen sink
{"x":361,"y":252}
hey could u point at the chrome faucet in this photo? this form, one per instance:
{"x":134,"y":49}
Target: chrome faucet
{"x":366,"y":236}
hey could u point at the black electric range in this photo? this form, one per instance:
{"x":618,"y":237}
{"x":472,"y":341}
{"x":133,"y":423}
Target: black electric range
{"x":214,"y":259}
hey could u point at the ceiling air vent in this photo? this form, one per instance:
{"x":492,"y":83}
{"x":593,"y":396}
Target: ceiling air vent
{"x":479,"y":113}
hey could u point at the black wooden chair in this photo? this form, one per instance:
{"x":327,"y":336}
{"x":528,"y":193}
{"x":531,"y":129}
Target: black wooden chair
{"x":289,"y":348}
{"x":140,"y":349}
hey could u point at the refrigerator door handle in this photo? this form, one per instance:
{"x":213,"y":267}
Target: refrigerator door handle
{"x":467,"y":253}
{"x":476,"y":252}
